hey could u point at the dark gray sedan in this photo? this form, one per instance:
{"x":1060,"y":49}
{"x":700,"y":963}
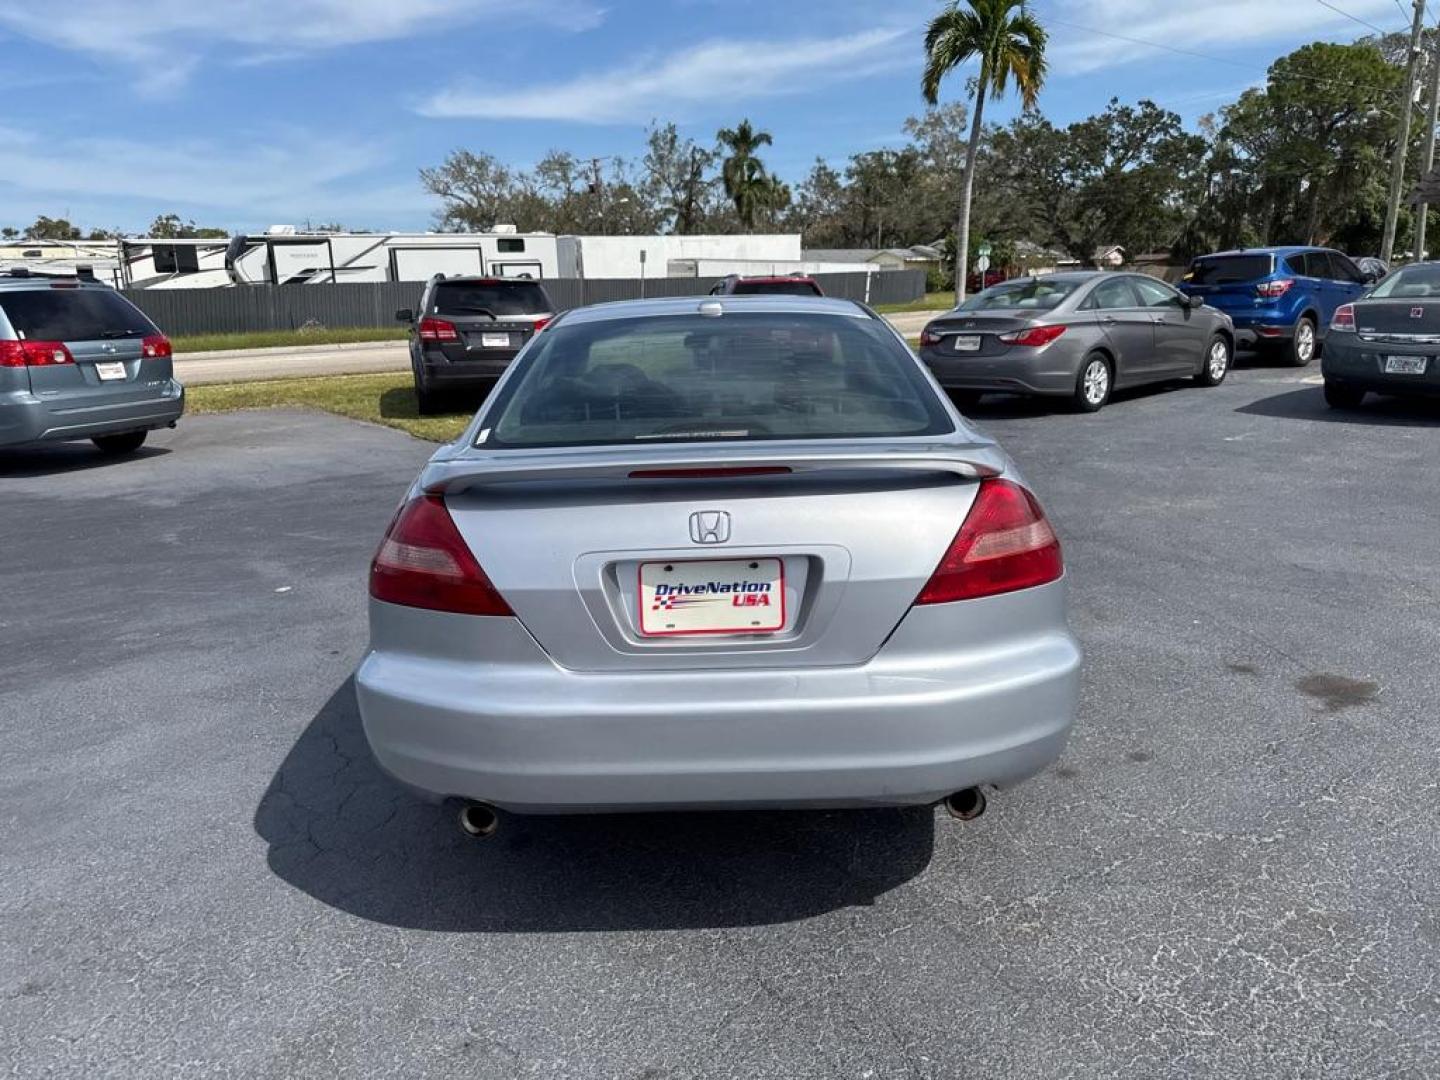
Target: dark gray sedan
{"x":1388,"y":341}
{"x":1077,"y":336}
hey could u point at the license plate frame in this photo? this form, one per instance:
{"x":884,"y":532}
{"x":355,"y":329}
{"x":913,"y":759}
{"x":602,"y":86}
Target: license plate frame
{"x":110,"y":370}
{"x":1406,"y":365}
{"x":727,"y":616}
{"x":966,"y":343}
{"x":495,"y":341}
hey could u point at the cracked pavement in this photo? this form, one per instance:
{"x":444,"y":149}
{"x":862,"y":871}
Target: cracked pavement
{"x":1232,"y":872}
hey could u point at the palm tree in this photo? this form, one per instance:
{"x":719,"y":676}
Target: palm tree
{"x":746,"y":182}
{"x":1009,"y":42}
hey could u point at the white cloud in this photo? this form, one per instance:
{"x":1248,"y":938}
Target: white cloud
{"x":1218,"y":27}
{"x":164,"y":40}
{"x":283,"y":177}
{"x":730,"y":71}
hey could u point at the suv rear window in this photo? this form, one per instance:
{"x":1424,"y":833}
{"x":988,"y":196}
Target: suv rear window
{"x":777,"y":288}
{"x":68,"y":314}
{"x":1229,"y":269}
{"x":743,"y":376}
{"x":498,"y":298}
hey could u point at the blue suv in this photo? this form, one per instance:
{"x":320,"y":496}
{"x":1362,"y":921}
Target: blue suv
{"x":1280,"y":297}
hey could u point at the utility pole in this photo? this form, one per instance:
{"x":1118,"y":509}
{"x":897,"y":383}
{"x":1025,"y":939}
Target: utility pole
{"x":1402,"y":142}
{"x":1433,"y":116}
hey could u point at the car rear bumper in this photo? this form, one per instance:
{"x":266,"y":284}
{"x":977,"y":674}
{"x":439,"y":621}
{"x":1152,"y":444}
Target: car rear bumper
{"x":1039,"y":372}
{"x":25,"y":418}
{"x":1361,"y":364}
{"x":534,"y":737}
{"x":486,"y":368}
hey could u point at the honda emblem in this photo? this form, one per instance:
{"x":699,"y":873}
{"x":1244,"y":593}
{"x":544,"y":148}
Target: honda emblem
{"x":710,"y":526}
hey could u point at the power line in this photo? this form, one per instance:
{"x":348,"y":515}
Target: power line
{"x":1212,"y":58}
{"x":1352,"y":18}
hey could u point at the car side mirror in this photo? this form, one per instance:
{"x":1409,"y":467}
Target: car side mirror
{"x":1193,"y":302}
{"x":405,"y":314}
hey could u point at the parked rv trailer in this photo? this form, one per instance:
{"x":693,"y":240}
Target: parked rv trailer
{"x":316,"y":259}
{"x":147,"y":263}
{"x":63,"y":258}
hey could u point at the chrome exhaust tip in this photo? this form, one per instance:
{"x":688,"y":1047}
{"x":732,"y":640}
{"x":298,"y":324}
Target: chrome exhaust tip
{"x":965,"y":805}
{"x":479,"y":820}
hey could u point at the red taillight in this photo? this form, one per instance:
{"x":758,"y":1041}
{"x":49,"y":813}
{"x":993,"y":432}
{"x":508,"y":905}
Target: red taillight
{"x":424,"y":563}
{"x":1344,"y":318}
{"x":540,"y":324}
{"x":709,"y":473}
{"x":1035,"y":336}
{"x":155,"y":345}
{"x":34,"y":354}
{"x":1272,"y":289}
{"x":1005,"y":544}
{"x":929,"y":337}
{"x":438,"y":330}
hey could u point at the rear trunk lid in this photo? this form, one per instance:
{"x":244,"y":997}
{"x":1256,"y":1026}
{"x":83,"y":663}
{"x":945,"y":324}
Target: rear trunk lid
{"x":846,"y":539}
{"x":1399,"y":321}
{"x":977,"y":333}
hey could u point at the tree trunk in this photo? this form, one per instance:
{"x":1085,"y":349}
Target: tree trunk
{"x":962,"y":251}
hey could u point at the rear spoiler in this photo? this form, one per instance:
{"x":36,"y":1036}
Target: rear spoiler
{"x":971,"y":462}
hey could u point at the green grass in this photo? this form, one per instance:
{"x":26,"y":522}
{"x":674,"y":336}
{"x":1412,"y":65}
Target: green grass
{"x":933,"y":301}
{"x":380,"y":399}
{"x":269,"y":339}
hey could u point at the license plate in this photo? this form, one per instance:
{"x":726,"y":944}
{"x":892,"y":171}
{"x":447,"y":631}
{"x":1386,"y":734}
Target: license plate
{"x":1405,"y":365}
{"x":495,"y":341}
{"x":712,"y":596}
{"x":110,"y":370}
{"x":967,"y":342}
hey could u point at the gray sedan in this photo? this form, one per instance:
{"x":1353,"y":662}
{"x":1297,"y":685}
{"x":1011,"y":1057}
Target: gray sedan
{"x":719,"y":552}
{"x":1387,"y":342}
{"x":1078,"y":336}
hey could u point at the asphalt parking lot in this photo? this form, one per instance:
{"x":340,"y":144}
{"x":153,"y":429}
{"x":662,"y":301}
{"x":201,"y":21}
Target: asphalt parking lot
{"x":1232,"y":873}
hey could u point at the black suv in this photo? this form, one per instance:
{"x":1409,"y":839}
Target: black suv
{"x":788,"y":285}
{"x":467,"y":331}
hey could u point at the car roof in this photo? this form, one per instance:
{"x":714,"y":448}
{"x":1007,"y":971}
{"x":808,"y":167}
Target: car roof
{"x":1278,"y":249}
{"x":691,"y":305}
{"x":480,"y":279}
{"x":771,"y":278}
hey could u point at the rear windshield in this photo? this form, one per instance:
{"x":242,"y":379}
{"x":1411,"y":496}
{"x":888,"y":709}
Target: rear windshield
{"x":73,"y":315}
{"x":1228,"y":269}
{"x":1410,"y":283}
{"x":780,"y":288}
{"x":741,"y":376}
{"x":498,"y":298}
{"x":1038,"y":294}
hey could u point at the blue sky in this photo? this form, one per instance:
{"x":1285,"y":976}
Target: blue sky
{"x":246,"y":113}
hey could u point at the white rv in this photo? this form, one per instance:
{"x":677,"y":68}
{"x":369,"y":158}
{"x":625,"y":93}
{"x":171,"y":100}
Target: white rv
{"x":63,"y":258}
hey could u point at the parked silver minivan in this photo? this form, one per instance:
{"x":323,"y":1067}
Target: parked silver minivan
{"x":79,"y":361}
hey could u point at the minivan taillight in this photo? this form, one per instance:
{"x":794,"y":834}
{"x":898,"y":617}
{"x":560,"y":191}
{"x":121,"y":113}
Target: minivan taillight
{"x":34,"y":354}
{"x":1005,"y":544}
{"x":154,"y":346}
{"x":1343,"y":319}
{"x":423,"y":563}
{"x":438,"y":330}
{"x":1272,"y":290}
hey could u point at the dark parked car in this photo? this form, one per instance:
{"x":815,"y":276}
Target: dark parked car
{"x":1281,"y":298}
{"x":467,"y":331}
{"x":789,"y":285}
{"x":1076,"y":335}
{"x":79,"y":361}
{"x":1388,"y":342}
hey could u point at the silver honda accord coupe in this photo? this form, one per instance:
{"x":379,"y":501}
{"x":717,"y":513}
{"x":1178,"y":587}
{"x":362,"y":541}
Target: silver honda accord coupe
{"x":1077,"y":335}
{"x":706,"y":553}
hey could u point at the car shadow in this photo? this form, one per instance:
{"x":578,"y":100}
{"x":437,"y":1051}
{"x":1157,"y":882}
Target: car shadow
{"x":1020,"y":406}
{"x":339,"y":830}
{"x":1308,"y":403}
{"x":399,"y":403}
{"x":68,"y":457}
